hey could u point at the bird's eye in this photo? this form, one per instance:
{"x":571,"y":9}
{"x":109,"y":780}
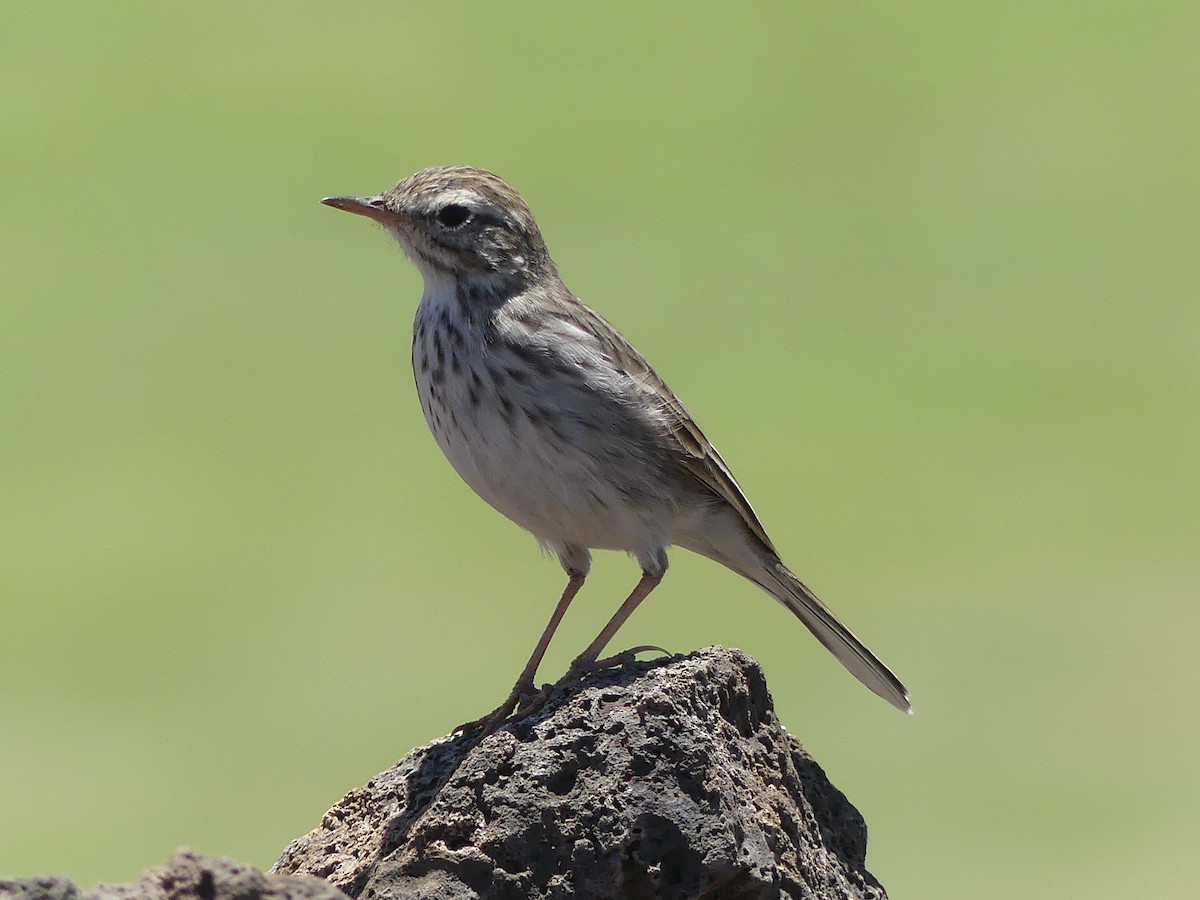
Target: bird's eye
{"x":453,"y":215}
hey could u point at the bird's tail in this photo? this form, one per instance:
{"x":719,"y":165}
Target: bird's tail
{"x":837,"y":638}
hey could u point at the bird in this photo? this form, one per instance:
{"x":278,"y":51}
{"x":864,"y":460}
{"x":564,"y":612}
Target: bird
{"x":553,"y":418}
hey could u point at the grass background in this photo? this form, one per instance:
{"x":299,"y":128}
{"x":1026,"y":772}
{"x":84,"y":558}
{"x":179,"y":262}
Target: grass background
{"x":928,"y":276}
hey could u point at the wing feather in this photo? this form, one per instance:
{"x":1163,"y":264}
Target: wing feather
{"x":697,"y":455}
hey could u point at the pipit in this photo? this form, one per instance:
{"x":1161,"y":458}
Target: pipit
{"x":554,"y":419}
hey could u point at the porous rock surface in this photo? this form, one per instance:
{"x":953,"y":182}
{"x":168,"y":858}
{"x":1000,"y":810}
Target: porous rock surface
{"x":661,"y":780}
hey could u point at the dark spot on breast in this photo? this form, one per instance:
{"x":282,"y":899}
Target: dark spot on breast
{"x":555,"y":426}
{"x":438,"y":375}
{"x":464,"y":297}
{"x":547,"y":421}
{"x":508,"y":411}
{"x":438,"y":349}
{"x":477,"y":302}
{"x":592,"y":423}
{"x":473,"y":396}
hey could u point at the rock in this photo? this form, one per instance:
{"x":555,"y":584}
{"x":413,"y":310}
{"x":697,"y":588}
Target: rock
{"x":187,"y":875}
{"x":661,"y":780}
{"x":667,"y":779}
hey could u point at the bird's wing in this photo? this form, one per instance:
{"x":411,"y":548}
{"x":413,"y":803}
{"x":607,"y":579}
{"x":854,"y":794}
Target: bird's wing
{"x":697,"y":454}
{"x":704,"y":462}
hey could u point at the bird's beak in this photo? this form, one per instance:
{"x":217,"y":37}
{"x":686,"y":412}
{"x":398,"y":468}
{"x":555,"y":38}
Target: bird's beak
{"x":371,"y":207}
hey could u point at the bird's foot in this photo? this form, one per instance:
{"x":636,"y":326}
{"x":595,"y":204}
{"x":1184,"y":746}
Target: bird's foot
{"x":526,"y":700}
{"x":522,"y":702}
{"x":582,"y":667}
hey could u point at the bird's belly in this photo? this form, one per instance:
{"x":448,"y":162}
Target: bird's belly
{"x":541,"y":467}
{"x":545,"y":489}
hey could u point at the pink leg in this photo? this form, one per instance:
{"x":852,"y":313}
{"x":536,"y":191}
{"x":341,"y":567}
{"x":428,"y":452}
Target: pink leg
{"x":586,"y":660}
{"x":524,"y":686}
{"x":531,"y":667}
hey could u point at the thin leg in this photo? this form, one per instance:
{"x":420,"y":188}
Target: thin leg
{"x":525,"y":686}
{"x":586,"y":660}
{"x":531,"y":667}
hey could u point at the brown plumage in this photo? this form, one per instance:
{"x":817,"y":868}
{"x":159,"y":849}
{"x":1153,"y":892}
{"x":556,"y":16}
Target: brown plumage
{"x":553,"y":418}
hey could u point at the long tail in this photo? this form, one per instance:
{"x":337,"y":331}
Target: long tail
{"x":837,"y":638}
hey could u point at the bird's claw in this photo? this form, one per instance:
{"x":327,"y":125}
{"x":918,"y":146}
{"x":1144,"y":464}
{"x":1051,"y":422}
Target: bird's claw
{"x":511,"y":710}
{"x":526,"y":700}
{"x":582,"y":667}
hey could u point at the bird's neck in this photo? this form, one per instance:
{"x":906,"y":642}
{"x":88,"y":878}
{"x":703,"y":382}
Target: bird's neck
{"x":475,"y":297}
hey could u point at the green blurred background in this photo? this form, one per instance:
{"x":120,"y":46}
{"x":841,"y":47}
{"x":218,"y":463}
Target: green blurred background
{"x":928,"y":276}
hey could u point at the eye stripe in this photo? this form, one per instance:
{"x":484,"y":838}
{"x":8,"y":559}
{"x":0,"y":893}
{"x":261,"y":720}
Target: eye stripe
{"x":486,"y":218}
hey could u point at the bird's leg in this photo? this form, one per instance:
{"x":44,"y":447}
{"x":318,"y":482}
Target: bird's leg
{"x":525,"y":686}
{"x":586,"y":661}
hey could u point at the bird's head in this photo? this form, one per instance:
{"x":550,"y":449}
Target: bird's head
{"x":459,"y":222}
